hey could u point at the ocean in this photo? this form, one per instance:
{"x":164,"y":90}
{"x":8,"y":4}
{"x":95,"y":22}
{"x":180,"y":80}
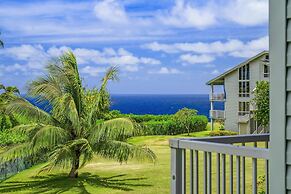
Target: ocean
{"x":162,"y":104}
{"x":156,"y":104}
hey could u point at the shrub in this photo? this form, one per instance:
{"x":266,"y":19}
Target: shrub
{"x":184,"y":118}
{"x":148,"y":117}
{"x":222,"y":133}
{"x":171,"y":127}
{"x":10,"y":137}
{"x":158,"y":127}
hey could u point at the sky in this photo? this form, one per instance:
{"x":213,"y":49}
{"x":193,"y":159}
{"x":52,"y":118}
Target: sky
{"x":160,"y":47}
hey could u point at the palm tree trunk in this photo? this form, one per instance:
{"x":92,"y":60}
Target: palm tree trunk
{"x":75,"y":165}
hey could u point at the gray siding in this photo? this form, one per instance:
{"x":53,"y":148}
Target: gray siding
{"x":279,"y":165}
{"x":231,"y":103}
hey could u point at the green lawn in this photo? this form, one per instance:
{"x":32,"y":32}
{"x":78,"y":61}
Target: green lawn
{"x":108,"y":177}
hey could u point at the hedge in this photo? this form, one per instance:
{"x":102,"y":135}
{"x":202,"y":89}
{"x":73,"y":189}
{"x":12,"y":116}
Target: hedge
{"x":222,"y":133}
{"x":148,"y":117}
{"x":170,"y":127}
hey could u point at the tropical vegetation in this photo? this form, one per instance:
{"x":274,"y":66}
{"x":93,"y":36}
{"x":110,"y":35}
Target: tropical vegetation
{"x":74,"y":131}
{"x":262,"y":103}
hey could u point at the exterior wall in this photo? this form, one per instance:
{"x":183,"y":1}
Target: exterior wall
{"x":232,"y":95}
{"x":231,"y":102}
{"x":280,"y":109}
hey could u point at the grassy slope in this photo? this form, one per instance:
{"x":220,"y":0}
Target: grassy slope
{"x":108,"y":177}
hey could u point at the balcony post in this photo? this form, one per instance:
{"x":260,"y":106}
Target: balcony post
{"x":178,"y":174}
{"x":211,"y":107}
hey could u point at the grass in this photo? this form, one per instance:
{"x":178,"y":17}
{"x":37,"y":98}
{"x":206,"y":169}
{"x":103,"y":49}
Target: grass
{"x":108,"y":177}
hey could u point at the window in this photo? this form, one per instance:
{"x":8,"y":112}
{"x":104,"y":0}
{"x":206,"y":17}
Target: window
{"x":244,"y":81}
{"x":266,"y":70}
{"x":243,"y":108}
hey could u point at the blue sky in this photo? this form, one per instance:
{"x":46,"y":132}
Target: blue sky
{"x":161,"y":47}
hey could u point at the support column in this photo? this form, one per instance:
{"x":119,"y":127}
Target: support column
{"x":211,"y":107}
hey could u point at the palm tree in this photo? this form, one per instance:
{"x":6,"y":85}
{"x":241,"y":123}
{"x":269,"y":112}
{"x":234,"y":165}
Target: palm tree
{"x":9,"y":93}
{"x":74,"y":130}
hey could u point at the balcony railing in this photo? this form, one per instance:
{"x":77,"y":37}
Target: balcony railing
{"x":243,"y":118}
{"x":217,"y":114}
{"x":201,"y":176}
{"x":217,"y":97}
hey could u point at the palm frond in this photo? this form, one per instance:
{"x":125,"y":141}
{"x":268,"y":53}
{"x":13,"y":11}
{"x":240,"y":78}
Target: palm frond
{"x":46,"y":88}
{"x":48,"y":136}
{"x":22,"y":107}
{"x":65,"y":107}
{"x":122,"y":151}
{"x":114,"y":129}
{"x":63,"y":155}
{"x":70,"y":68}
{"x":18,"y":151}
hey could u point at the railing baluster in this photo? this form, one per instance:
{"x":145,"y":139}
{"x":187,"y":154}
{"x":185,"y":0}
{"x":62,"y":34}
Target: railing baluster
{"x":209,"y":168}
{"x":218,"y":173}
{"x":196,"y":174}
{"x":231,"y":174}
{"x":223,"y":174}
{"x":184,"y":171}
{"x":238,"y":175}
{"x":205,"y":173}
{"x":267,"y":171}
{"x":243,"y":165}
{"x":191,"y":172}
{"x":176,"y":171}
{"x":254,"y":164}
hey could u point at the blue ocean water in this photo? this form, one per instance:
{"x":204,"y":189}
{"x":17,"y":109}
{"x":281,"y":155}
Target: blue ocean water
{"x":162,"y":104}
{"x":155,"y":104}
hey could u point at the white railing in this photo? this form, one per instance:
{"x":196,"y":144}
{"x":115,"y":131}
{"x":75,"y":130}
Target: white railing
{"x":229,"y":152}
{"x":217,"y":114}
{"x":217,"y":97}
{"x":243,"y":118}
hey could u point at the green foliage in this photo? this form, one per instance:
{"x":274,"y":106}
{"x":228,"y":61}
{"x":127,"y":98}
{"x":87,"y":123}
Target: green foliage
{"x":222,"y":133}
{"x":9,"y":138}
{"x":262,"y":103}
{"x":7,"y":120}
{"x":171,"y":127}
{"x":261,"y":182}
{"x":183,"y":118}
{"x":71,"y":133}
{"x":148,"y":117}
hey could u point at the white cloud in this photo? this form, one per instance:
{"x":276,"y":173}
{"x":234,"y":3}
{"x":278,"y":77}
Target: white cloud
{"x":185,"y":15}
{"x":110,"y":11}
{"x":196,"y":59}
{"x":35,"y":57}
{"x":252,"y":47}
{"x":214,"y":72}
{"x":233,"y":47}
{"x":92,"y":71}
{"x":165,"y":70}
{"x":247,"y":12}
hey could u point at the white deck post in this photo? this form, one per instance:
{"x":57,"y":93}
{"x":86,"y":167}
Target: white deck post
{"x":211,"y":106}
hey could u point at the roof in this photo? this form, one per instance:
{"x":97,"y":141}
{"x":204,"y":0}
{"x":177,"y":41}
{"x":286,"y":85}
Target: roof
{"x":219,"y":80}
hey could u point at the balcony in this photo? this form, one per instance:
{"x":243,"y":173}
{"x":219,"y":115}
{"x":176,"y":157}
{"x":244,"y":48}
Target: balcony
{"x":217,"y":114}
{"x":217,"y":97}
{"x":220,"y":164}
{"x":243,"y":117}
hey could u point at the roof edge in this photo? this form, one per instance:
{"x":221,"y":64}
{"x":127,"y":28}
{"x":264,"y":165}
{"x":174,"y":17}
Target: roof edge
{"x":221,"y":76}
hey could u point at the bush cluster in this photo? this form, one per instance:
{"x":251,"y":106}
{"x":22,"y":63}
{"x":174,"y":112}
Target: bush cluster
{"x":170,"y":127}
{"x":165,"y":124}
{"x":222,"y":133}
{"x":8,"y":137}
